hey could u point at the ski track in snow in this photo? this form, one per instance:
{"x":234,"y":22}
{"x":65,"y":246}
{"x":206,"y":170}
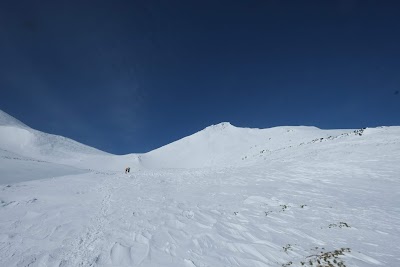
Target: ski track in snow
{"x":85,"y":252}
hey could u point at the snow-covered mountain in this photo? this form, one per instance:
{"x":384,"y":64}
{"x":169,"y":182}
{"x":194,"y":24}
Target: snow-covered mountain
{"x":226,"y":145}
{"x":218,"y":145}
{"x":18,"y":138}
{"x":50,"y":152}
{"x":224,"y":196}
{"x":7,"y":120}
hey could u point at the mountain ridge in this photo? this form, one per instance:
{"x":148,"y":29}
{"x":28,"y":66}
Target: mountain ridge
{"x":221,"y":144}
{"x":8,"y":120}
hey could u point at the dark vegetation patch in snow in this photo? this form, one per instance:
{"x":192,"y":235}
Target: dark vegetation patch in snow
{"x":340,"y":225}
{"x":321,"y":258}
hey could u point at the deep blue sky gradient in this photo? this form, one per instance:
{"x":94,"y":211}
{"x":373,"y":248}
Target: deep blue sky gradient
{"x":131,"y":76}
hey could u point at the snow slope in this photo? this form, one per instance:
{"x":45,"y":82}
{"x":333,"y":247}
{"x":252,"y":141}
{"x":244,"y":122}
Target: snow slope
{"x":226,"y":145}
{"x":27,"y":154}
{"x":225,"y":196}
{"x":218,"y":145}
{"x":18,"y":138}
{"x":7,"y":120}
{"x":53,"y":151}
{"x":16,"y":168}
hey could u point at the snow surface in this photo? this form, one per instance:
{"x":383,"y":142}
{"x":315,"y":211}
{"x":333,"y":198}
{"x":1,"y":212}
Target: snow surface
{"x":225,"y":196}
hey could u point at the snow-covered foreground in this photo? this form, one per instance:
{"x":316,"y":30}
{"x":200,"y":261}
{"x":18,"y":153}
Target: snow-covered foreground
{"x":261,"y":216}
{"x":296,"y":202}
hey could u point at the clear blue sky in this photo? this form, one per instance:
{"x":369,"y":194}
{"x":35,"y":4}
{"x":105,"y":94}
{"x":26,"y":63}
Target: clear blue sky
{"x":131,"y":76}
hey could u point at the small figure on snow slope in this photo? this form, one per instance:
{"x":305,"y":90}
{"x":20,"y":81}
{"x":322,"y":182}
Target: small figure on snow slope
{"x":127,"y":169}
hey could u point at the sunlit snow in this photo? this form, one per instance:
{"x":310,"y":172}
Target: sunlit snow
{"x":225,"y":196}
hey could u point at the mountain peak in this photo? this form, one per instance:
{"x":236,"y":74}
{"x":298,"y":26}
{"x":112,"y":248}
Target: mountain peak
{"x":220,"y":126}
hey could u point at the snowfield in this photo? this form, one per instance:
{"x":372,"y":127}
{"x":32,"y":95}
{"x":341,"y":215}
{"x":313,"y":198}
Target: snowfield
{"x":225,"y":196}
